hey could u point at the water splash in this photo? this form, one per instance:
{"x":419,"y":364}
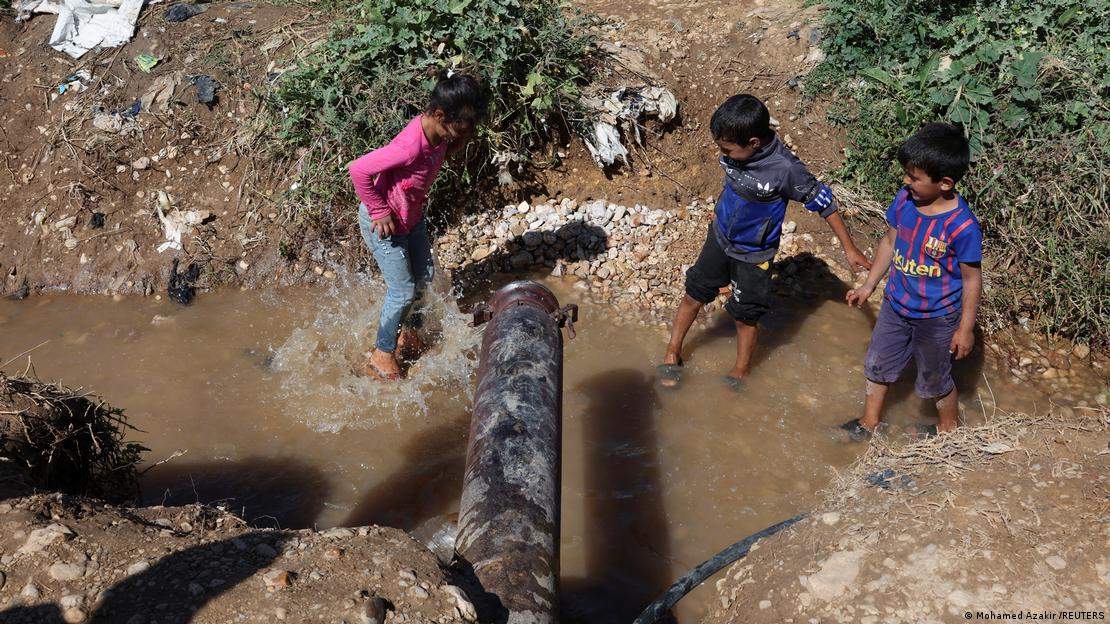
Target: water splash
{"x":320,"y":360}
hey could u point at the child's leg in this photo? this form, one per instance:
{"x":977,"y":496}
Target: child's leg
{"x":746,"y":338}
{"x":873,"y":405}
{"x":932,"y":339}
{"x":422,"y":267}
{"x":889,"y":351}
{"x":391,"y":255}
{"x":750,"y":300}
{"x":709,"y":273}
{"x":688,"y":310}
{"x":948,"y":408}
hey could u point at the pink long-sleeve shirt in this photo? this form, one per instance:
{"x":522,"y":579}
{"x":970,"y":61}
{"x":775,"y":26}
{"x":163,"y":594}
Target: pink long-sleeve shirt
{"x":394,"y":179}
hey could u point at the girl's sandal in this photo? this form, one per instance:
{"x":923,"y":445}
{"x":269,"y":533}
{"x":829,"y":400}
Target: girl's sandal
{"x":376,"y":373}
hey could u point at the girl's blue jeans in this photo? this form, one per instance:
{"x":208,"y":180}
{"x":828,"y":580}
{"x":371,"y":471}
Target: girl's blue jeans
{"x":406,"y":264}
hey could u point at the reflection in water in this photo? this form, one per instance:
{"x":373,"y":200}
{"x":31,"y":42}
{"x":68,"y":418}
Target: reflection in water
{"x":258,"y":389}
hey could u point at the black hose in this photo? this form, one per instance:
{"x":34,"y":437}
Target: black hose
{"x":698,"y":575}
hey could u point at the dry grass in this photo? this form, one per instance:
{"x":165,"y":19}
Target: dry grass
{"x":967,"y":447}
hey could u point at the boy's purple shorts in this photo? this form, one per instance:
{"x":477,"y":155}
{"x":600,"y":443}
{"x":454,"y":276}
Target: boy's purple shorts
{"x":896,"y":338}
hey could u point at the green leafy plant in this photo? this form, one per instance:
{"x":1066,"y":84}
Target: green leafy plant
{"x":360,"y":87}
{"x":1028,"y":80}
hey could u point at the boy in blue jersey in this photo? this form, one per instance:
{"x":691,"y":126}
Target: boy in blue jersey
{"x":761,"y":175}
{"x":935,"y":246}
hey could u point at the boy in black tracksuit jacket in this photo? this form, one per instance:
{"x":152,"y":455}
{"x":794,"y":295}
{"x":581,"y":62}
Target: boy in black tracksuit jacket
{"x":761,"y":175}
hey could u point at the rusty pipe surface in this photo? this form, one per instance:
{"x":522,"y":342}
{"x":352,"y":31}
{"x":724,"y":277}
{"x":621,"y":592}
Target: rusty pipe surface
{"x":509,"y":512}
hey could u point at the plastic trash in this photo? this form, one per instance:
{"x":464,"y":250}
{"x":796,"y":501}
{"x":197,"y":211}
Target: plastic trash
{"x":146,"y":62}
{"x":621,"y":111}
{"x":77,"y":81}
{"x":180,"y":287}
{"x":206,"y":90}
{"x":132,"y":111}
{"x":85,"y":24}
{"x":161,"y":92}
{"x":606,"y":146}
{"x":182,"y":12}
{"x":97,"y":220}
{"x":176,"y":223}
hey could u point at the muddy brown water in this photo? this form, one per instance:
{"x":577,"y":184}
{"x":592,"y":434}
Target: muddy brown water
{"x":257,"y":390}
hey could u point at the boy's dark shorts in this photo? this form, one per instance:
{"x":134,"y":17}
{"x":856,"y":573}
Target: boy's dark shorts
{"x":896,"y":338}
{"x":751,"y":283}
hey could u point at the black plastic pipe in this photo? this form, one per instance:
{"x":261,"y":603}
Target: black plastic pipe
{"x":698,"y":575}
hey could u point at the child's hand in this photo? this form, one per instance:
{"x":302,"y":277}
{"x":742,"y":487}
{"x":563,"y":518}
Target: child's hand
{"x":383,"y":227}
{"x":858,"y":261}
{"x":858,"y":296}
{"x":962,"y":342}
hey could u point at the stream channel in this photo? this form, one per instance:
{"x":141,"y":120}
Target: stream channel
{"x":257,"y":389}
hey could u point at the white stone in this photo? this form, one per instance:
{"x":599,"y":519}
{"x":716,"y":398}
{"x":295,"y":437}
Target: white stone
{"x":1056,"y":562}
{"x":67,"y":571}
{"x":41,"y":538}
{"x":137,"y":568}
{"x":764,"y":604}
{"x":830,"y":518}
{"x":71,"y":601}
{"x":836,"y":574}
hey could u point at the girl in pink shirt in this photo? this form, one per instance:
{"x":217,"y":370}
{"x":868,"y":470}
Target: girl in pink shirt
{"x":392,"y":184}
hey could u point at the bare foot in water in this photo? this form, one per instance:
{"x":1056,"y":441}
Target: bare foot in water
{"x":383,"y":366}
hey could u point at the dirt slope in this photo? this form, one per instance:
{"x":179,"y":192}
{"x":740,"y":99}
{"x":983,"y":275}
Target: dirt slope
{"x":1012,"y":517}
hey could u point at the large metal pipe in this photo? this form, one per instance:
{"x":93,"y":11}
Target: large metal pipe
{"x":509,"y":513}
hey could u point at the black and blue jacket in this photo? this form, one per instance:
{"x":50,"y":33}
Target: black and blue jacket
{"x":752,"y":205}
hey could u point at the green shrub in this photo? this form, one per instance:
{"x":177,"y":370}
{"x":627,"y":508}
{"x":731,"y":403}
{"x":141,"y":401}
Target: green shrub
{"x":1029,"y":81}
{"x":374,"y":72}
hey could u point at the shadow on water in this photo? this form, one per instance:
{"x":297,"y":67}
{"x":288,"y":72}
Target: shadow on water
{"x":174,"y":588}
{"x":798,"y":292}
{"x":427,"y":486}
{"x":270,"y":492}
{"x":627,"y":535}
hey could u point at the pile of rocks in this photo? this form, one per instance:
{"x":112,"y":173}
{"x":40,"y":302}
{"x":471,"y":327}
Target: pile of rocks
{"x":625,"y":253}
{"x":634,"y":258}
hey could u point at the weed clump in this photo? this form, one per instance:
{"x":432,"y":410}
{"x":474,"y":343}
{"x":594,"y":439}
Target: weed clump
{"x":1029,"y":81}
{"x":374,"y":71}
{"x":53,"y":438}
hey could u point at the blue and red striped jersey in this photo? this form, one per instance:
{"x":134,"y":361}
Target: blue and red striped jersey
{"x":925,"y":279}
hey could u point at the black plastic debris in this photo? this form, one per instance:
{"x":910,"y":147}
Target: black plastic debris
{"x":181,"y":288}
{"x":206,"y":90}
{"x":97,"y":220}
{"x":888,"y":479}
{"x":21,"y":294}
{"x":792,"y":34}
{"x":132,"y":111}
{"x":182,"y":12}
